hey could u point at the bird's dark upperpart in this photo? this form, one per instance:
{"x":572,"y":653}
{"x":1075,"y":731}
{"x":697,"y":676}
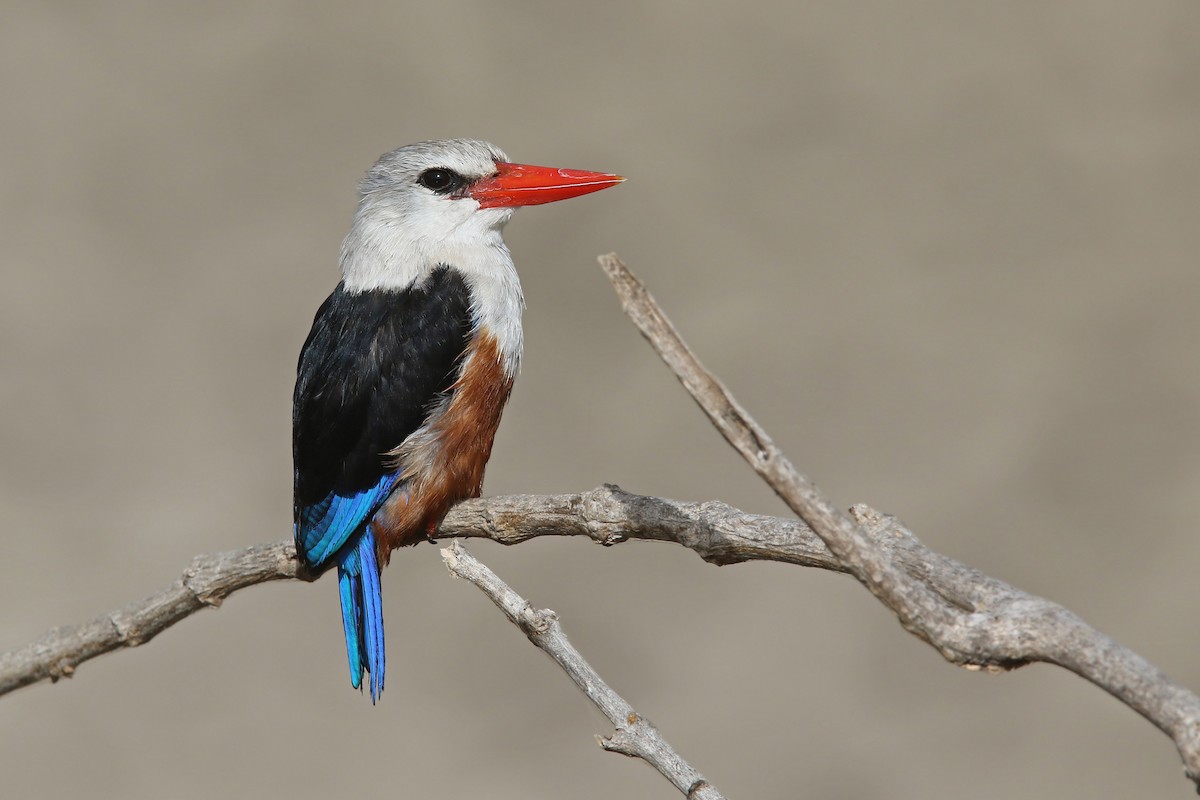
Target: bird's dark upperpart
{"x":406,"y":372}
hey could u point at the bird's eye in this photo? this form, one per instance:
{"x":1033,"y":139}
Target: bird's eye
{"x":440,"y":180}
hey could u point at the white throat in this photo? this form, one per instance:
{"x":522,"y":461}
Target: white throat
{"x":393,"y":246}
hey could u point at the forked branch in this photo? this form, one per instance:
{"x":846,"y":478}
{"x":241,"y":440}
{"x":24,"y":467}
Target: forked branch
{"x":972,"y":620}
{"x":718,"y":533}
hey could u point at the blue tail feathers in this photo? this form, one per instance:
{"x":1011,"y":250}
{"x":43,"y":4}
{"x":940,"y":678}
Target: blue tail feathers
{"x":362,"y":613}
{"x":326,"y":531}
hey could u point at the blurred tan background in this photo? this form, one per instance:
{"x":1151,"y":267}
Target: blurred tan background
{"x":945,"y":253}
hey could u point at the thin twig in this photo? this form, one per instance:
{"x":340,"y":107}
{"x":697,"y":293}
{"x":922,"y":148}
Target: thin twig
{"x":635,"y":736}
{"x":982,"y":623}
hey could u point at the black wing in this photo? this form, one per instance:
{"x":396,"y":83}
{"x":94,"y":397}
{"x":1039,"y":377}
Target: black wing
{"x":373,"y":364}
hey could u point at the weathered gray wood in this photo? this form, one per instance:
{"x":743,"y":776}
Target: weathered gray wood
{"x":634,"y":735}
{"x":972,"y":620}
{"x":717,"y":532}
{"x":206,"y":582}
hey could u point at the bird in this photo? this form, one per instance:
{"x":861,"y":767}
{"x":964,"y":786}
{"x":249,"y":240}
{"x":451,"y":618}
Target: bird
{"x":403,"y":378}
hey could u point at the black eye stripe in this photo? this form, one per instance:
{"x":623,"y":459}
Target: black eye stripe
{"x":441,"y":180}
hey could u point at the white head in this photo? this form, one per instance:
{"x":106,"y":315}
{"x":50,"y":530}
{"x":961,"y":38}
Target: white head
{"x":445,"y":203}
{"x":413,"y":215}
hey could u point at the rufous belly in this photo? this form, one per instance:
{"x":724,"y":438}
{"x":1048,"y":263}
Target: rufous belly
{"x":443,"y":462}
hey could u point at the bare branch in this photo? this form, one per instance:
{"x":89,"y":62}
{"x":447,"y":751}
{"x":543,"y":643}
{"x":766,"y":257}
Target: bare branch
{"x":608,"y":515}
{"x":719,"y":533}
{"x":972,"y":620}
{"x":635,"y":736}
{"x":207,"y":582}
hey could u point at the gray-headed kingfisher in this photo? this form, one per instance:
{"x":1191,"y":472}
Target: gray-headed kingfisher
{"x":409,"y":364}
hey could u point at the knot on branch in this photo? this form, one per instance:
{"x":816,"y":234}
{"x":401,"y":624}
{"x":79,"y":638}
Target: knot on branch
{"x":63,"y":668}
{"x":199,"y":584}
{"x":603,"y":510}
{"x":536,"y":621}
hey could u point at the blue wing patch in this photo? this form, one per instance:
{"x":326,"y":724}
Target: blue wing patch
{"x":323,"y":528}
